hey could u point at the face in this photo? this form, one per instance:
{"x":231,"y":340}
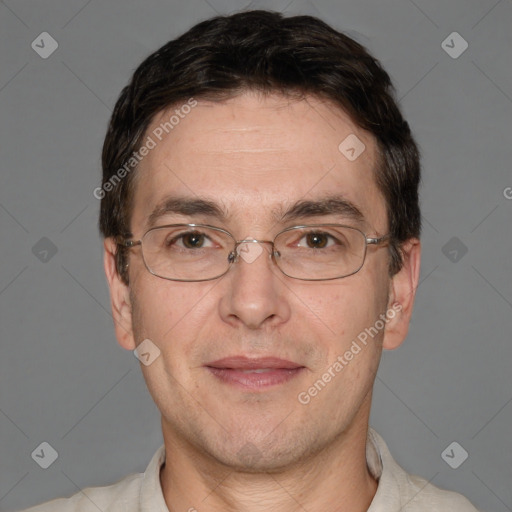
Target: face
{"x":247,"y":372}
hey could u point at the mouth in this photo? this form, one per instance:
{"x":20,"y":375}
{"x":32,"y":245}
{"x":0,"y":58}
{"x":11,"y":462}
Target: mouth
{"x":254,"y":373}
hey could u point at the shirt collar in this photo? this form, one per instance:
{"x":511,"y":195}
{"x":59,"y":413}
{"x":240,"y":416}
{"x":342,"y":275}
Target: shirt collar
{"x":383,"y":468}
{"x":151,"y":496}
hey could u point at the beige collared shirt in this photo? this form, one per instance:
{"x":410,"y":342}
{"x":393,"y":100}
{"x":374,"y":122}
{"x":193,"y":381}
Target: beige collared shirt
{"x":397,"y":490}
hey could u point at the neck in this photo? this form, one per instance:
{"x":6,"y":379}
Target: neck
{"x":334,"y":479}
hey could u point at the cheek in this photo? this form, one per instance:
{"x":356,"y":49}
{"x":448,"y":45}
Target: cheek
{"x":169,"y":313}
{"x":345,"y":308}
{"x":345,"y":315}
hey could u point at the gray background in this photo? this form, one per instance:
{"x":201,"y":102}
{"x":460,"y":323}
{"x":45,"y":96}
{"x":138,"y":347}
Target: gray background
{"x":65,"y":381}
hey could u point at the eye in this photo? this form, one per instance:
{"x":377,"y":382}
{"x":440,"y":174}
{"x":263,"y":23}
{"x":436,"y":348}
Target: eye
{"x":191,"y":240}
{"x":316,"y":240}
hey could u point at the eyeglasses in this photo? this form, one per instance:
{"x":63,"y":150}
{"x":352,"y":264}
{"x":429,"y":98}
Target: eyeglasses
{"x":199,"y":252}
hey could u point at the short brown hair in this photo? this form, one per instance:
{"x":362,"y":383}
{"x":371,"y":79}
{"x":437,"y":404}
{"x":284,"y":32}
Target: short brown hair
{"x":264,"y":51}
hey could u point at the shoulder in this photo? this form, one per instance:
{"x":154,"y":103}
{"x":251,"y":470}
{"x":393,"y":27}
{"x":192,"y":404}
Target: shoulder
{"x":418,"y":495}
{"x":400,"y":490}
{"x":127,"y":495}
{"x":121,"y":496}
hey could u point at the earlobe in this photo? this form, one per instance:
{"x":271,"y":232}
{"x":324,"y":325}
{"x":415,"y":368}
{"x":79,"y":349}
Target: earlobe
{"x":119,"y":298}
{"x":402,"y":294}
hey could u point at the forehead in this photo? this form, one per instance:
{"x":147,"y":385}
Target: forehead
{"x":256,"y":156}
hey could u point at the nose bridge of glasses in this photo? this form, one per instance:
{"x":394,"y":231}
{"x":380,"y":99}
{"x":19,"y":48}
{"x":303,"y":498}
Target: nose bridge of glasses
{"x":249,"y":249}
{"x":253,"y":241}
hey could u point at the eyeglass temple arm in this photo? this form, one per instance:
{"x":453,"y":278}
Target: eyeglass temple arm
{"x":128,"y":243}
{"x":376,"y":241}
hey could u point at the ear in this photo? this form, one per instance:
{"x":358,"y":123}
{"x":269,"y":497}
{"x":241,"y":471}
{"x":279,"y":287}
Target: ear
{"x":119,"y":298}
{"x":401,"y":296}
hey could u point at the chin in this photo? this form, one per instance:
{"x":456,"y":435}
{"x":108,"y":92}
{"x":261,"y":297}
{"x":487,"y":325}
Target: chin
{"x":264,"y":454}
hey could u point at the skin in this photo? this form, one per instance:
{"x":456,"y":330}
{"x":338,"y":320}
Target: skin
{"x":254,"y":155}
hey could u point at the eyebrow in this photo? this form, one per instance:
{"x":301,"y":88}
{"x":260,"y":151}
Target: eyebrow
{"x":185,"y":206}
{"x":331,"y":205}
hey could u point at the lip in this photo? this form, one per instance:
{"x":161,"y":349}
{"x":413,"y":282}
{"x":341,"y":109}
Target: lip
{"x":249,"y":363}
{"x":254,"y":373}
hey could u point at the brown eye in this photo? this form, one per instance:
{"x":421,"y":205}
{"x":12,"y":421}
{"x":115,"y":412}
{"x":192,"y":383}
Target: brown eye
{"x":190,"y":240}
{"x":317,"y":240}
{"x":193,"y":240}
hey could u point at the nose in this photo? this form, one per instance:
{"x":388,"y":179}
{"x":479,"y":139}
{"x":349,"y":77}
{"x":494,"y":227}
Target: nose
{"x":255,"y":295}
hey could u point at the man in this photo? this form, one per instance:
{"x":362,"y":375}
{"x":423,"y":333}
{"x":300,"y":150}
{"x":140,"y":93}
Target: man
{"x":261,"y":223}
